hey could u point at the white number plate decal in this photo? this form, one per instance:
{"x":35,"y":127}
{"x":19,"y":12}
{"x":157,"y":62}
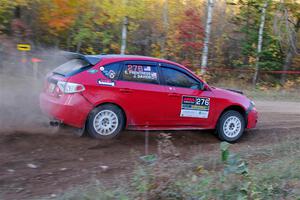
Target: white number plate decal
{"x":197,"y":107}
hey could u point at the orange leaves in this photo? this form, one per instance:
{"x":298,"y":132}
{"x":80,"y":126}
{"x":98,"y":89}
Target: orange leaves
{"x":59,"y":15}
{"x":60,"y":24}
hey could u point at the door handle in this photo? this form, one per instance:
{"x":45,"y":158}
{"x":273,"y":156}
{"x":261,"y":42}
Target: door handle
{"x":125,"y":90}
{"x":173,"y":95}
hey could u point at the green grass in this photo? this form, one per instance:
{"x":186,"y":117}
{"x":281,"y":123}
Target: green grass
{"x":235,"y":176}
{"x":276,"y":95}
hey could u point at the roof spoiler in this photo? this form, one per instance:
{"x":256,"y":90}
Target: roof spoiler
{"x":88,"y":58}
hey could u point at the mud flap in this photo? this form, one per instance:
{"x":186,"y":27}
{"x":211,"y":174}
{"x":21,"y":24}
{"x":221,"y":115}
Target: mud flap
{"x":80,"y":132}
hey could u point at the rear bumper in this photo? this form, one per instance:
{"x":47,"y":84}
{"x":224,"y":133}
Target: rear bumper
{"x":252,"y":118}
{"x":70,"y":109}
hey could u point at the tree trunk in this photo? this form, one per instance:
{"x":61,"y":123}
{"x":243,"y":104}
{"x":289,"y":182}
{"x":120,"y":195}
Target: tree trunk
{"x":78,"y":46}
{"x":286,"y":66}
{"x":260,"y":40}
{"x":246,"y":57}
{"x":210,"y":5}
{"x":124,"y":35}
{"x":165,"y":17}
{"x":68,"y":42}
{"x":290,"y":53}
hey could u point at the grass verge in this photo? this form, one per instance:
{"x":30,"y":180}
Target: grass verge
{"x":227,"y":176}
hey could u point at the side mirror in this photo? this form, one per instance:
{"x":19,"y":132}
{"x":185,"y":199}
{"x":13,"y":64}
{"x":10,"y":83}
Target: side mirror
{"x":204,"y":87}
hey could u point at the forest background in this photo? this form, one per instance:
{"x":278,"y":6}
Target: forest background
{"x":170,"y":29}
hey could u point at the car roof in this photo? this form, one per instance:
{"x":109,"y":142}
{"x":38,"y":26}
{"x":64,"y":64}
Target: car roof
{"x":120,"y":57}
{"x":130,"y":57}
{"x":94,"y":59}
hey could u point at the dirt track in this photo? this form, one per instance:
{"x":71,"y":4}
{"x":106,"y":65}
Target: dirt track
{"x":39,"y":163}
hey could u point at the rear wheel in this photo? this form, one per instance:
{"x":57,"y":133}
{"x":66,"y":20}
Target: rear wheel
{"x":231,"y":126}
{"x":105,"y":122}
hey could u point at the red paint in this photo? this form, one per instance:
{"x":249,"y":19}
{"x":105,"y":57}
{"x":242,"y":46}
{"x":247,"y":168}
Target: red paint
{"x":252,"y":118}
{"x":71,"y":109}
{"x":146,"y":106}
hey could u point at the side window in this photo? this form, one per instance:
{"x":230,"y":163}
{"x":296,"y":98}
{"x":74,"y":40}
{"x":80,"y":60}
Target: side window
{"x":112,"y":71}
{"x":140,"y":73}
{"x":176,"y":78}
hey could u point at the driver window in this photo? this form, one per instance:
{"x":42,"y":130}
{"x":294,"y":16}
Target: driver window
{"x":176,"y":78}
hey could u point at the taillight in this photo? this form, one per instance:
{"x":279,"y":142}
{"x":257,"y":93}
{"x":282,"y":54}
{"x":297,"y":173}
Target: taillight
{"x":68,"y":88}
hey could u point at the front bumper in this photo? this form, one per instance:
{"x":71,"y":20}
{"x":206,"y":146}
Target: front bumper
{"x":70,"y":109}
{"x":252,"y":118}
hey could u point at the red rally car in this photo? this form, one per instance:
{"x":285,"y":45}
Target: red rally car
{"x":104,"y":94}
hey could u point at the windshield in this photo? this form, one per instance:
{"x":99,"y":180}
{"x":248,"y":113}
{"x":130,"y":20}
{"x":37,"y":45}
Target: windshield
{"x":71,"y":67}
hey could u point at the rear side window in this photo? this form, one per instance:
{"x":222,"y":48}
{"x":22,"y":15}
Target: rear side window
{"x":140,"y":73}
{"x":71,"y":67}
{"x":112,"y":71}
{"x":176,"y":78}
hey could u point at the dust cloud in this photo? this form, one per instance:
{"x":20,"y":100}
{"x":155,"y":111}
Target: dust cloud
{"x":20,"y":85}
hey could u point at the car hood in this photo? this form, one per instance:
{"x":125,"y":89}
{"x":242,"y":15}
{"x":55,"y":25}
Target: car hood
{"x":231,"y":94}
{"x":227,"y":91}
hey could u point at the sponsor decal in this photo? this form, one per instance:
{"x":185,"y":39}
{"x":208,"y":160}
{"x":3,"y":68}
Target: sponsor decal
{"x":141,"y":72}
{"x":197,"y":107}
{"x":111,"y":74}
{"x":147,"y":69}
{"x":106,"y":82}
{"x":92,"y":71}
{"x":101,"y":68}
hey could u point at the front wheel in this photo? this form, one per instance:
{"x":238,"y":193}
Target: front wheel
{"x":231,"y":126}
{"x":105,"y":122}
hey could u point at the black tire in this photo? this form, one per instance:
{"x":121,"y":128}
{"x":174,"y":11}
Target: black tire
{"x":96,"y":113}
{"x":225,"y":132}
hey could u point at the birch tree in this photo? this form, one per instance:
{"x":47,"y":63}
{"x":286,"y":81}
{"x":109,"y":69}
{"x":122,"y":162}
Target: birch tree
{"x":165,"y":16}
{"x":124,"y":31}
{"x":210,"y":5}
{"x":260,"y":41}
{"x":124,"y":35}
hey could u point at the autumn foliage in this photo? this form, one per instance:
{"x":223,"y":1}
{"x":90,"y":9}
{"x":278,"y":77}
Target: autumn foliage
{"x":189,"y":37}
{"x":171,"y":29}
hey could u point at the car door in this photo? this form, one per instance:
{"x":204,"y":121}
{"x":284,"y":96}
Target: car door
{"x":141,"y":93}
{"x":185,"y":103}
